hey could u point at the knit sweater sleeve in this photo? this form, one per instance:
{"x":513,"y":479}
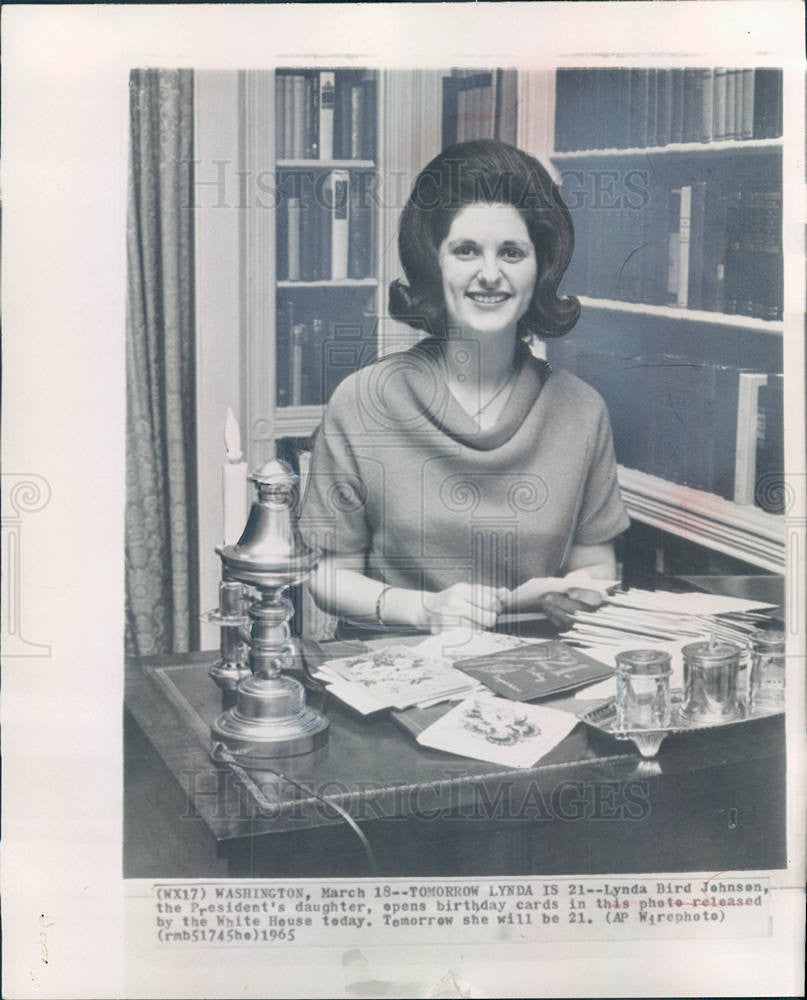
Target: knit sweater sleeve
{"x":333,"y":514}
{"x":602,"y":515}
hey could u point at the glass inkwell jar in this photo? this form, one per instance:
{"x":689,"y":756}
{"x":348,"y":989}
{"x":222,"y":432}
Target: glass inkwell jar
{"x":711,"y":682}
{"x":767,"y":679}
{"x":643,"y":689}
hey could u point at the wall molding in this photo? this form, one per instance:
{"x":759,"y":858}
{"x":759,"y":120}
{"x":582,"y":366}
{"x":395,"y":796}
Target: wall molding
{"x":744,"y":532}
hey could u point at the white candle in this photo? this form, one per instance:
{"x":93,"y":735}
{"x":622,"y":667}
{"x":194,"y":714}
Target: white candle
{"x":233,"y":482}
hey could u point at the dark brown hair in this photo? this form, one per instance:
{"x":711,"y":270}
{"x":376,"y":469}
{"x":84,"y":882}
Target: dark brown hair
{"x":492,"y":172}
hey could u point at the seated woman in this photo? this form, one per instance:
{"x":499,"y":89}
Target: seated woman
{"x":448,"y":481}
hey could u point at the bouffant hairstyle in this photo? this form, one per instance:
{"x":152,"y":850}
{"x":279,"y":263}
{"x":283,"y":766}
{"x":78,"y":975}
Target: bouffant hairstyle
{"x":492,"y":172}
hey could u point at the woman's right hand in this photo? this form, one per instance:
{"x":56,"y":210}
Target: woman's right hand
{"x":463,"y":604}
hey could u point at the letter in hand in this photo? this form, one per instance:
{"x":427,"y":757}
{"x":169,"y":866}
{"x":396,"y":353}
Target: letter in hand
{"x":559,"y":607}
{"x":463,"y":605}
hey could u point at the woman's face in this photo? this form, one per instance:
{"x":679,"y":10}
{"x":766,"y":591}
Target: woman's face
{"x":488,"y":266}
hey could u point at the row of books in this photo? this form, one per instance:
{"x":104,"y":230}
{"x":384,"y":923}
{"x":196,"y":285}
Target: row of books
{"x":709,"y":245}
{"x":638,"y":108}
{"x":325,"y":114}
{"x":716,"y":428}
{"x":314,"y":354}
{"x":480,"y":106}
{"x":325,"y":229}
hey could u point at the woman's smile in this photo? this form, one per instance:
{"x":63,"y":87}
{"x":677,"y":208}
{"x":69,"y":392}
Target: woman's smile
{"x":488,"y":267}
{"x":487,"y":299}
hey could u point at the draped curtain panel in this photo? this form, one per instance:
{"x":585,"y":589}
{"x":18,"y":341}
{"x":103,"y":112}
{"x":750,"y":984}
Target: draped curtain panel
{"x":162,"y":612}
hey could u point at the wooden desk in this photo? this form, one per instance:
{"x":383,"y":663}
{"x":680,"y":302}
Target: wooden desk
{"x":711,"y":801}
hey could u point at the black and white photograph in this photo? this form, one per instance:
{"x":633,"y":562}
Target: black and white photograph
{"x":503,"y":353}
{"x":423,"y":433}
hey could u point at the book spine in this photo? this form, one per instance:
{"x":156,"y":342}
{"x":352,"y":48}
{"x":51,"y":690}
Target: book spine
{"x":314,"y":361}
{"x":659,"y":236}
{"x":663,"y":107}
{"x":284,"y":309}
{"x":370,"y":118}
{"x":280,"y":95}
{"x":707,"y":105}
{"x":677,"y":105}
{"x":611,"y":108}
{"x":764,"y":247}
{"x":577,"y":126}
{"x":358,"y":251}
{"x":673,"y":244}
{"x":685,"y":221}
{"x":562,"y":111}
{"x":507,"y":120}
{"x":639,"y":108}
{"x":294,"y":221}
{"x":324,"y":213}
{"x":767,"y":103}
{"x":495,"y":102}
{"x":770,"y":471}
{"x":341,"y":120}
{"x":298,"y":149}
{"x":308,"y":256}
{"x":339,"y":182}
{"x":733,"y":270}
{"x":356,"y":137}
{"x":698,"y":93}
{"x":282,"y":238}
{"x":288,"y":116}
{"x":731,"y":100}
{"x":747,"y":117}
{"x":745,"y":462}
{"x":486,"y":118}
{"x":317,"y":216}
{"x":696,"y":244}
{"x":296,"y":372}
{"x":308,"y":118}
{"x":739,"y":88}
{"x":313,"y":82}
{"x":714,"y":247}
{"x":748,"y":273}
{"x":723,"y":444}
{"x":719,"y":118}
{"x":462,"y":115}
{"x":652,"y":107}
{"x":475,"y":123}
{"x":326,"y":105}
{"x":598,"y":110}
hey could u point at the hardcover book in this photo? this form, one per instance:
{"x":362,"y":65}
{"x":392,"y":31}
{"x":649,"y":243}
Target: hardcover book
{"x":537,"y":670}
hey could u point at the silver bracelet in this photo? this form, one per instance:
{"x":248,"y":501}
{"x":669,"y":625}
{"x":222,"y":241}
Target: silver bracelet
{"x":378,"y":601}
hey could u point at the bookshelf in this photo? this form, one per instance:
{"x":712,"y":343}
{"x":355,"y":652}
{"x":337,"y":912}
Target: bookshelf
{"x":672,"y":150}
{"x":678,"y":267}
{"x":773,"y":327}
{"x":326,"y":286}
{"x":386,"y":125}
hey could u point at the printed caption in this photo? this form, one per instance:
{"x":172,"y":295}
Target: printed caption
{"x":339,"y":913}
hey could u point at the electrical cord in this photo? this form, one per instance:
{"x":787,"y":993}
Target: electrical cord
{"x":222,"y":754}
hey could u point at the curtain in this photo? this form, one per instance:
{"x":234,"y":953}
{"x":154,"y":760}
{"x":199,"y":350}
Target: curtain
{"x":162,"y":612}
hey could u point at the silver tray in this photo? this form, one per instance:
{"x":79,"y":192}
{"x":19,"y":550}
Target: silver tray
{"x":648,"y":741}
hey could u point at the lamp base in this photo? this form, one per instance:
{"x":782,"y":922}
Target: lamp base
{"x":270,"y":720}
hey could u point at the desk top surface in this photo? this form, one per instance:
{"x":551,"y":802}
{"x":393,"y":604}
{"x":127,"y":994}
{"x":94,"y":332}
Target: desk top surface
{"x":371,"y":767}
